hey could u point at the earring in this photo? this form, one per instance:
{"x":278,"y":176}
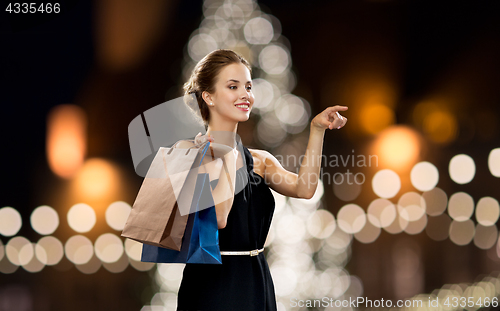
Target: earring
{"x":211,"y":104}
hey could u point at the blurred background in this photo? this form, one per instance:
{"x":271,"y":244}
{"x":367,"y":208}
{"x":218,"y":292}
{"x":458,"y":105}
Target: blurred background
{"x":408,"y":204}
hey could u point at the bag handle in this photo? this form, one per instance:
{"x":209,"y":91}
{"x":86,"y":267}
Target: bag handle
{"x":188,"y":149}
{"x":213,"y":157}
{"x":205,"y":151}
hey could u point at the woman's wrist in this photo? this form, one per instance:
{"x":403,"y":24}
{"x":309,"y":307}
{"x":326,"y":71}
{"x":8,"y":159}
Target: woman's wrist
{"x":317,"y":129}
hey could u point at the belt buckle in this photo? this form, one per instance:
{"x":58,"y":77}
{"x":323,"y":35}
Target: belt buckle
{"x":255,"y":252}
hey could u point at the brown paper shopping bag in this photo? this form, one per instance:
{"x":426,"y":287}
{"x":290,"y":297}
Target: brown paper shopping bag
{"x":155,"y":218}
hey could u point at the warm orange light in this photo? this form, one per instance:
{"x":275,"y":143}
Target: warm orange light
{"x":371,"y":97}
{"x":66,"y":139}
{"x":376,"y":117}
{"x":423,"y":109}
{"x":435,"y":118}
{"x":398,"y":147}
{"x":98,"y":179}
{"x":440,"y":126}
{"x":128,"y":30}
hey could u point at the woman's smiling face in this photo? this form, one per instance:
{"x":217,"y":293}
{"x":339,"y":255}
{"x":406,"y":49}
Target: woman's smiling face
{"x":233,"y":98}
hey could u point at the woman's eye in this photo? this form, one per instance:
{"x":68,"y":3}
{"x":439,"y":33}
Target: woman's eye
{"x":249,"y":88}
{"x":232,"y":87}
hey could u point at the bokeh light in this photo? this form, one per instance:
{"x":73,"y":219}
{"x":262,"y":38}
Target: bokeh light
{"x":200,"y":45}
{"x":487,"y":211}
{"x":494,"y":162}
{"x":97,"y":179}
{"x":462,"y":169}
{"x":424,"y":176}
{"x":284,"y":278}
{"x":108,"y":248}
{"x":10,"y":221}
{"x":66,"y":139}
{"x":274,"y":59}
{"x":460,"y":206}
{"x":44,"y":220}
{"x":26,"y":253}
{"x":141,"y":266}
{"x":117,"y":214}
{"x":79,"y":249}
{"x":221,"y":36}
{"x":117,"y":266}
{"x":411,"y":206}
{"x":91,"y":266}
{"x":32,"y":265}
{"x":376,"y":117}
{"x":339,"y":239}
{"x":6,"y":267}
{"x":351,"y":218}
{"x":436,"y":201}
{"x":269,"y":131}
{"x":13,"y":250}
{"x":356,"y":287}
{"x":417,"y":226}
{"x":169,"y":276}
{"x":485,"y":237}
{"x":368,"y":234}
{"x":49,"y":250}
{"x":258,"y":30}
{"x":264,"y":92}
{"x":81,"y":218}
{"x":397,"y":226}
{"x":290,"y":229}
{"x":440,"y":126}
{"x":345,"y":188}
{"x":398,"y":147}
{"x":2,"y":250}
{"x":462,"y":232}
{"x":386,"y":184}
{"x":292,"y":112}
{"x":381,"y":213}
{"x":321,"y":224}
{"x":133,"y":249}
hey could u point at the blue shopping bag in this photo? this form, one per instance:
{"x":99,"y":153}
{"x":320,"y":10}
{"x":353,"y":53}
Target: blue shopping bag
{"x":200,"y":243}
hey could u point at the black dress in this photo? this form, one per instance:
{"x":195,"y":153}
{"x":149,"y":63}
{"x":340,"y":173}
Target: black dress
{"x":242,"y":282}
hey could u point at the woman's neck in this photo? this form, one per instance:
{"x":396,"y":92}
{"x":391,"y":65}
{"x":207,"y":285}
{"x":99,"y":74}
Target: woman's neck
{"x":223,"y":133}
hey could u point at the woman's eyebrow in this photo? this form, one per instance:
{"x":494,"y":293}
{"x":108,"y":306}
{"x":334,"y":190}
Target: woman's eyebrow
{"x":237,"y":81}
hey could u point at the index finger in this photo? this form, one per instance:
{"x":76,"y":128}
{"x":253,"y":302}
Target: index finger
{"x":336,"y":108}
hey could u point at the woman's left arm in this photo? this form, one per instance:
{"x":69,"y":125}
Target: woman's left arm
{"x":303,"y":185}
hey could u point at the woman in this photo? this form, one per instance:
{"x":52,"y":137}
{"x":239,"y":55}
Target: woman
{"x":223,"y":87}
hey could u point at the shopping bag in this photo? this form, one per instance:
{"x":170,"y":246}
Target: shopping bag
{"x":182,"y":167}
{"x":200,"y":243}
{"x":155,"y":218}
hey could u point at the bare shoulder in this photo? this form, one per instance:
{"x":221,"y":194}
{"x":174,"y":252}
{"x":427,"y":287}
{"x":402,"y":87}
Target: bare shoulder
{"x":260,"y":154}
{"x":263,"y":156}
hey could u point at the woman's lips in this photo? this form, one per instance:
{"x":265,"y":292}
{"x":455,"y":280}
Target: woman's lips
{"x":246,"y":108}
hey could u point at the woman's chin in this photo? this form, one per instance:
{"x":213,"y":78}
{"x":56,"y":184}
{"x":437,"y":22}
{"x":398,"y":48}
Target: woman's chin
{"x":242,"y":117}
{"x":245,"y":118}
